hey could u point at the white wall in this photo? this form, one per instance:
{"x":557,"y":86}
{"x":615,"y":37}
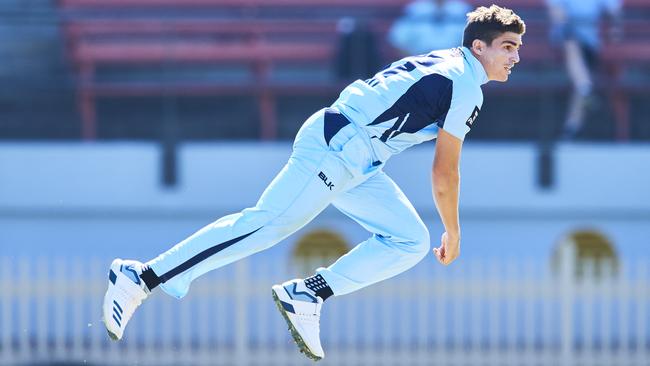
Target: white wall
{"x":104,"y":199}
{"x":229,"y":175}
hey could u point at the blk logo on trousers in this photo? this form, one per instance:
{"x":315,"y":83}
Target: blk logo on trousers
{"x":323,"y":177}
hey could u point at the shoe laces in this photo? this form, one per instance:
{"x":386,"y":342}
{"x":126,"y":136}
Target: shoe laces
{"x":312,"y":318}
{"x":309,"y":317}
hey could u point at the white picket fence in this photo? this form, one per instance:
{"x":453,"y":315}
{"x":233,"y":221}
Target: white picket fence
{"x":482,"y":313}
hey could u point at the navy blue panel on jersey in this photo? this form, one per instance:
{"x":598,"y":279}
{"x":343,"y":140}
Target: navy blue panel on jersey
{"x":425,"y":102}
{"x":334,"y":121}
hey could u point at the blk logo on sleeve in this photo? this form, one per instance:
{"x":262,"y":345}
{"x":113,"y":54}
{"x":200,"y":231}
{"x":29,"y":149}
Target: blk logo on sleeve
{"x":472,"y":118}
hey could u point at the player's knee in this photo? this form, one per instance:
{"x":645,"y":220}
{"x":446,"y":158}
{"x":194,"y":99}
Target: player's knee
{"x":422,"y":241}
{"x":417,"y":241}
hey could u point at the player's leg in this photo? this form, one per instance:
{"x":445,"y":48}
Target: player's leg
{"x":400,"y":240}
{"x":294,"y":197}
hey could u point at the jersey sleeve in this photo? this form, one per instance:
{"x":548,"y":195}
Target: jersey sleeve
{"x":463,"y":109}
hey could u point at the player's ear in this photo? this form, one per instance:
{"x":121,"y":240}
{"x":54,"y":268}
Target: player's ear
{"x":478,"y":46}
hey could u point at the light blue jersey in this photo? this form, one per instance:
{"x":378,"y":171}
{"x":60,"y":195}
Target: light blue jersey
{"x":407,"y":102}
{"x":337,"y":160}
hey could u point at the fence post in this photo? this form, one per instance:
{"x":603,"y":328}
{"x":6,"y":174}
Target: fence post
{"x":24,"y":292}
{"x":95,"y":289}
{"x":567,"y":270}
{"x":622,"y":299}
{"x":608,"y":292}
{"x":590,"y":289}
{"x":531,"y":289}
{"x":76,"y":297}
{"x":641,"y":296}
{"x":6,"y":280}
{"x":242,"y":288}
{"x":494,"y":314}
{"x":42,"y":294}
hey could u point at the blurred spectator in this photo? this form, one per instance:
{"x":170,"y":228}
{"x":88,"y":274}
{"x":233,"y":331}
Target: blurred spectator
{"x":357,"y":54}
{"x":575,"y":28}
{"x":429,"y":25}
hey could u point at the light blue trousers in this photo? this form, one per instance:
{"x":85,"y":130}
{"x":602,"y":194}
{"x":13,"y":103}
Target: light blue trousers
{"x":319,"y":173}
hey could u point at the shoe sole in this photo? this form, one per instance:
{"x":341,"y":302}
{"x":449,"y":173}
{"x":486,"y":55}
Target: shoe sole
{"x":111,"y":335}
{"x":294,"y":333}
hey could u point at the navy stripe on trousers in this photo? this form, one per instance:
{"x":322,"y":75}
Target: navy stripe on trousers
{"x":201,"y":257}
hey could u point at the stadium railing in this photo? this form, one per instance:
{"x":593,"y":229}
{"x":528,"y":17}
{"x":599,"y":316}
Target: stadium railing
{"x":496,"y":313}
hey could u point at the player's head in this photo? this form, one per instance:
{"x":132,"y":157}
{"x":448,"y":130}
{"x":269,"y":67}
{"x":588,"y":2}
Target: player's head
{"x":494,"y":36}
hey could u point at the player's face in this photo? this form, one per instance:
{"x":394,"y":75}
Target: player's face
{"x":500,"y":57}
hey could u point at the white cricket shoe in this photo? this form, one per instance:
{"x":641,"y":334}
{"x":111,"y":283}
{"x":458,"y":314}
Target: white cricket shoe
{"x":125,"y":293}
{"x":300,"y":308}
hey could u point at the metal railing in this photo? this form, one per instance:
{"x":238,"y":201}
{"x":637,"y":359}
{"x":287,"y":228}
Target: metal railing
{"x":507,"y":313}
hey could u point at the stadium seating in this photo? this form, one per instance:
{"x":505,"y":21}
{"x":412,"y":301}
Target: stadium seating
{"x":260,"y":37}
{"x":235,"y":33}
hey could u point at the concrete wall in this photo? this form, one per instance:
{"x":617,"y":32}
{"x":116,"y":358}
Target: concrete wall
{"x":106,"y":199}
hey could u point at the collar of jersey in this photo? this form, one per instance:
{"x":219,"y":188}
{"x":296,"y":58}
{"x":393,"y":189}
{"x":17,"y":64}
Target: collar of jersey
{"x":477,"y":68}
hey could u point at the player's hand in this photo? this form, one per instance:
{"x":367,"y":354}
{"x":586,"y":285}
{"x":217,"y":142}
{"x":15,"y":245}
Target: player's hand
{"x":449,"y":249}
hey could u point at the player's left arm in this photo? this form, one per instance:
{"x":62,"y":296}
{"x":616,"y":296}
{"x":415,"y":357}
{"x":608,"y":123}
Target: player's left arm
{"x":445,"y":179}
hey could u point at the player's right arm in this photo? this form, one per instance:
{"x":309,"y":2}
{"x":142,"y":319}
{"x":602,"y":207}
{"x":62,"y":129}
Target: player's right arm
{"x":445,"y":179}
{"x":464,"y":107}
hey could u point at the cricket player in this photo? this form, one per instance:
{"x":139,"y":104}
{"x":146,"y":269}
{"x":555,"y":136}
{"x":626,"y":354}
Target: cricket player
{"x":338,"y":158}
